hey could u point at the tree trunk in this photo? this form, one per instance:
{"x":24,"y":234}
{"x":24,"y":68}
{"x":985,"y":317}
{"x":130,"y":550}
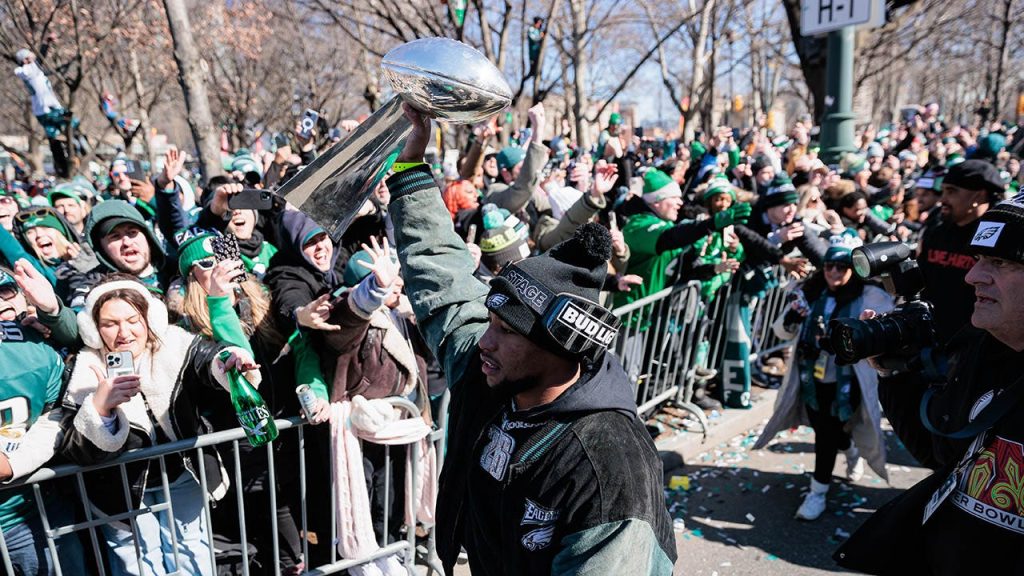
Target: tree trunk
{"x":691,"y":115}
{"x":1005,"y":24}
{"x":143,"y":128}
{"x":579,"y":30}
{"x":191,"y":76}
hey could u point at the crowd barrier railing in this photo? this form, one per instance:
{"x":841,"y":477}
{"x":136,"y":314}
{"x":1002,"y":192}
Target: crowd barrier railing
{"x":291,"y":430}
{"x":660,"y":335}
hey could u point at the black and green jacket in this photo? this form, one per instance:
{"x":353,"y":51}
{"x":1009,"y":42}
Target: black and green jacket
{"x":580,"y":485}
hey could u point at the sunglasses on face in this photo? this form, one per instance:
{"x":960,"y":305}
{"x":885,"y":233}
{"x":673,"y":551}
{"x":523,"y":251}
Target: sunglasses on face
{"x":118,"y":174}
{"x":30,"y":214}
{"x":8,"y":292}
{"x":205,"y":263}
{"x":840,"y":266}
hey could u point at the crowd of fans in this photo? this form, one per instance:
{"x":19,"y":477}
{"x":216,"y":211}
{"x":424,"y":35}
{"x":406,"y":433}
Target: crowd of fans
{"x":126,"y":260}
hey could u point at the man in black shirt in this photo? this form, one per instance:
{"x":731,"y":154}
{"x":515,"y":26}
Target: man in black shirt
{"x":945,"y":254}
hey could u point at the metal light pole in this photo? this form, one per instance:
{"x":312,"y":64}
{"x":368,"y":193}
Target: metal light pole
{"x":837,"y":128}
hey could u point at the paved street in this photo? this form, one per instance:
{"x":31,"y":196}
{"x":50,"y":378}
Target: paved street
{"x":738,"y":511}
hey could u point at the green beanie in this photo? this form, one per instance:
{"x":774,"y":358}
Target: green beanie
{"x":510,"y":156}
{"x":718,"y":186}
{"x":47,"y":219}
{"x":659,"y":186}
{"x":615,"y":119}
{"x":697,"y":151}
{"x":193,"y":250}
{"x":780,"y":192}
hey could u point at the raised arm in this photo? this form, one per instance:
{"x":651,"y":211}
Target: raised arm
{"x":436,"y":266}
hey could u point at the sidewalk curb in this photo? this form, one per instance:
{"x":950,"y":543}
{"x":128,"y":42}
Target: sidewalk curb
{"x":675,"y":449}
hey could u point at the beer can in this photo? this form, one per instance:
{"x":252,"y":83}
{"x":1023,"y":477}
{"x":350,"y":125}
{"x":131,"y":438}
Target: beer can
{"x":307,"y":400}
{"x":10,"y":439}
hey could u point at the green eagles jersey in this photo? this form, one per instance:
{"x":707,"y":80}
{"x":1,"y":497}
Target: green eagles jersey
{"x":30,"y":385}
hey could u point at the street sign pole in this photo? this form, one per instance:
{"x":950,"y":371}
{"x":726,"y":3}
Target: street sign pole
{"x":838,"y":18}
{"x":837,"y":127}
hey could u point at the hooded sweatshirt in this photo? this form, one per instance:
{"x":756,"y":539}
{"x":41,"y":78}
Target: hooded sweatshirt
{"x":293,"y":279}
{"x":74,"y":283}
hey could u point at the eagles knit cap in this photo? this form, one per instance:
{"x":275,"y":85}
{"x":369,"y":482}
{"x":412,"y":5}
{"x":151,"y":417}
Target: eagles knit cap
{"x":718,"y":186}
{"x":780,"y":192}
{"x":245,"y":162}
{"x":1001,"y":231}
{"x":615,"y":119}
{"x":855,"y":164}
{"x":658,"y":186}
{"x":510,"y":156}
{"x":976,"y":175}
{"x":43,"y":217}
{"x":194,"y":249}
{"x":840,"y":246}
{"x":503,"y":239}
{"x":64,"y":190}
{"x":577,"y":266}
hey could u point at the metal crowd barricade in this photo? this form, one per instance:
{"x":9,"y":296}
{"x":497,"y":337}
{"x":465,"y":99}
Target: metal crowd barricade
{"x":657,"y":341}
{"x":660,"y":335}
{"x":406,"y":548}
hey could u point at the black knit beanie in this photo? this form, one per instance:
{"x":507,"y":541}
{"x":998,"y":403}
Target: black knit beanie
{"x":577,"y":266}
{"x":1000,"y":231}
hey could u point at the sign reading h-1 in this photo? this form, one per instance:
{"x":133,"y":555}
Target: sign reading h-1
{"x":821,"y":16}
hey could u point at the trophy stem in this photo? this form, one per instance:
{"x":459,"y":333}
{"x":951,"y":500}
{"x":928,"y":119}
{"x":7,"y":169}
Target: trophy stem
{"x":335,"y":185}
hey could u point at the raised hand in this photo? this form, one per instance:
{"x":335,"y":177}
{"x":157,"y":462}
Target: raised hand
{"x":604,"y":180}
{"x":37,"y":289}
{"x":384,"y":270}
{"x":225,"y":277}
{"x":315,"y":315}
{"x":221,"y":195}
{"x":174,"y":162}
{"x":416,"y":143}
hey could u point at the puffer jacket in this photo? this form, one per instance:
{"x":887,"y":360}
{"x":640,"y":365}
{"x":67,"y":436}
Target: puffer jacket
{"x":171,"y":376}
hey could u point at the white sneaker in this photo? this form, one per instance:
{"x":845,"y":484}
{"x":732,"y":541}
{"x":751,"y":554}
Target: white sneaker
{"x":854,"y":464}
{"x":814,"y":503}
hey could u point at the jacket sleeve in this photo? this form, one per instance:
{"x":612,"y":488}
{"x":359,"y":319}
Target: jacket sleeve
{"x":227,"y":327}
{"x":63,"y":325}
{"x":577,"y":215}
{"x":12,"y":251}
{"x":438,"y":271}
{"x":620,"y":547}
{"x":876,"y":225}
{"x":474,"y":159}
{"x":170,"y":216}
{"x":515,"y":197}
{"x":757,"y":247}
{"x":813,"y":248}
{"x":683,"y":234}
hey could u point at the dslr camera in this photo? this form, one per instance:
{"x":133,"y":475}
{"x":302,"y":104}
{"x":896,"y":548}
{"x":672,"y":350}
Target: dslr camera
{"x":901,"y":339}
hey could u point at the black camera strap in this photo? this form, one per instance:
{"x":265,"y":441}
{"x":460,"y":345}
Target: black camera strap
{"x":1000,"y":406}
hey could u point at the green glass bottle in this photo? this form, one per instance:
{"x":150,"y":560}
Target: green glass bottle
{"x":253,"y":414}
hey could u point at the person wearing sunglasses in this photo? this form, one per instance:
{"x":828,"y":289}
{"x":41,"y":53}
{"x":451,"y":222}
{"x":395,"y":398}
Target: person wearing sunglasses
{"x":223,"y":303}
{"x":839,"y":402}
{"x":47,"y":235}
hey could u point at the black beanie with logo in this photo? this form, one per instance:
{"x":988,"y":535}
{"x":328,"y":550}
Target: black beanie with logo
{"x":1000,"y":231}
{"x":577,"y":266}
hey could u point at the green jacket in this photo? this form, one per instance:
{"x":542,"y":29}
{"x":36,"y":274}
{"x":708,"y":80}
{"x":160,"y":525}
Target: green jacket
{"x":641,"y":234}
{"x":710,"y":251}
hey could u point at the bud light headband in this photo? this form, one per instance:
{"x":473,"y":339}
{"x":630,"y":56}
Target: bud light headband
{"x":581,"y":327}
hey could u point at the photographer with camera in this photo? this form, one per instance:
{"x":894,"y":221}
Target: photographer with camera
{"x":839,"y":400}
{"x":968,"y":517}
{"x":945,"y":252}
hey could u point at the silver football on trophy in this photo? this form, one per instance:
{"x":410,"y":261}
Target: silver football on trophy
{"x":447,"y":79}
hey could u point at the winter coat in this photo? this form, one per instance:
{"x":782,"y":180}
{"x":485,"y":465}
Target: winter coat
{"x":371,"y":356}
{"x":292,"y":279}
{"x":583,"y":493}
{"x":170,"y":376}
{"x":790,"y":410}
